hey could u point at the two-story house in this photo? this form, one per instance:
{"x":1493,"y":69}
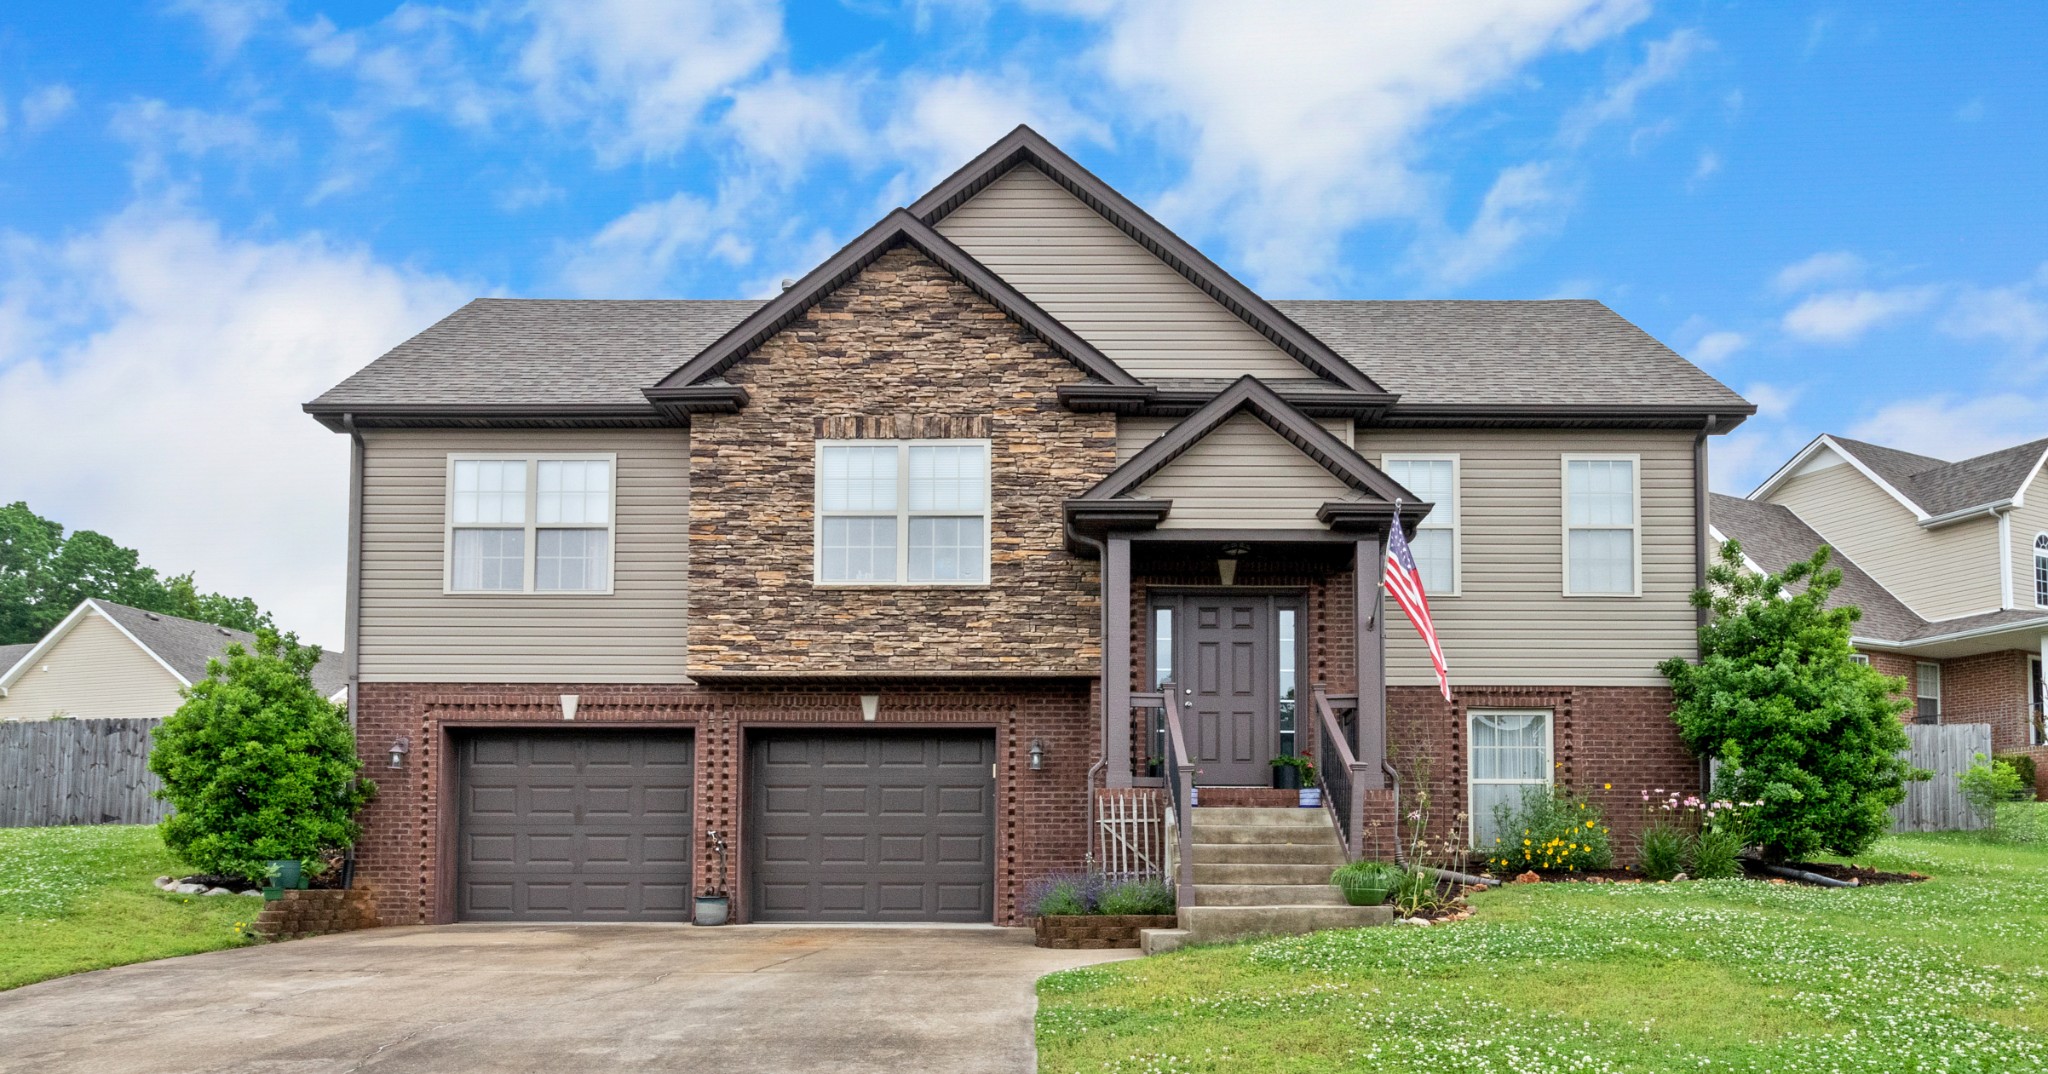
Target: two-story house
{"x":1947,"y":560}
{"x":873,"y":579}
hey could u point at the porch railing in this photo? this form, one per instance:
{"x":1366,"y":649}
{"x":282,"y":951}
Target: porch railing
{"x":1179,"y":770}
{"x":1342,"y":776}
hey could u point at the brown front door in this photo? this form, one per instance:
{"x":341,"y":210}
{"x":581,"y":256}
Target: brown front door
{"x":1228,"y":645}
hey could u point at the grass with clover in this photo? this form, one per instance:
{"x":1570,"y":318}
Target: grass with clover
{"x":76,"y":899}
{"x":1736,"y":975}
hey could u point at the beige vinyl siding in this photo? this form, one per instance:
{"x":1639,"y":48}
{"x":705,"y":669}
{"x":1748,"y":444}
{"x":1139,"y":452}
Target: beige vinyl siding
{"x":2029,"y":521}
{"x":1098,"y":281}
{"x":1512,"y":625}
{"x":413,"y":632}
{"x":95,"y":672}
{"x":1940,"y":573}
{"x":1132,"y":434}
{"x":1244,"y":475}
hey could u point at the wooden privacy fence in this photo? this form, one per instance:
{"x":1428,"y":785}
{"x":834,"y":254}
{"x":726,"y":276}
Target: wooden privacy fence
{"x":77,"y":772}
{"x":1947,"y":750}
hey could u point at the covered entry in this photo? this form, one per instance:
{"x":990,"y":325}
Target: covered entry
{"x":574,"y":826}
{"x":871,"y":826}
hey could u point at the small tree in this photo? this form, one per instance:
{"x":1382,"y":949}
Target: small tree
{"x":257,"y":765}
{"x":1811,"y":735}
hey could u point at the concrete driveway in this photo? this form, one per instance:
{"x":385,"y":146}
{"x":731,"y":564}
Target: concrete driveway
{"x":554,"y":998}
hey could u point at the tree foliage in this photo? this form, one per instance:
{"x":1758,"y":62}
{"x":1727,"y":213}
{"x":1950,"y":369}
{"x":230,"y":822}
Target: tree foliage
{"x":1813,"y":736}
{"x":45,"y":574}
{"x":257,"y":765}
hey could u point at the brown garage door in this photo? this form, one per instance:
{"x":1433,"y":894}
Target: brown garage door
{"x":872,"y":826}
{"x":574,"y":826}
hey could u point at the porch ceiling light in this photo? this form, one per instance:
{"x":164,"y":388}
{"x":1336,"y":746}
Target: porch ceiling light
{"x":1226,"y":568}
{"x":399,"y":749}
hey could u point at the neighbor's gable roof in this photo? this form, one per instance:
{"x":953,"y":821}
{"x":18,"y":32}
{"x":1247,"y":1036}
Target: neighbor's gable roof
{"x":1933,"y":489}
{"x":1774,"y":538}
{"x":181,"y":646}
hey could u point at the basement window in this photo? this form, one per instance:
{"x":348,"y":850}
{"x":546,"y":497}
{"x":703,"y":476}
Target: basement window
{"x":1510,"y":754}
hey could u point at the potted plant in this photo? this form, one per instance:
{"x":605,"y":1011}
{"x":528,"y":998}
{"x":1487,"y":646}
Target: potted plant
{"x":1293,"y":773}
{"x":714,"y":907}
{"x":1367,"y":883}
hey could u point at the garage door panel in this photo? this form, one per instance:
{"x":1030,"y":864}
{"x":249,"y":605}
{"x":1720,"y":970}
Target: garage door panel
{"x":562,"y":825}
{"x":907,"y":834}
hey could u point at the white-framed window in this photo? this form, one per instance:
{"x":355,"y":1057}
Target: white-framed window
{"x":1859,"y":658}
{"x":2041,"y":570}
{"x":1603,"y":539}
{"x":902,"y":512}
{"x":1510,"y":752}
{"x":529,"y":523}
{"x":1436,"y":543}
{"x":1927,"y":691}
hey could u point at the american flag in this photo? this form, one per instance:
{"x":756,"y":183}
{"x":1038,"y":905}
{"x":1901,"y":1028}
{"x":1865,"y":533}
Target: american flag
{"x":1404,"y":582}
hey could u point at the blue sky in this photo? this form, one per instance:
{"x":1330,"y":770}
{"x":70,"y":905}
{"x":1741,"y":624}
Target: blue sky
{"x":212,"y":209}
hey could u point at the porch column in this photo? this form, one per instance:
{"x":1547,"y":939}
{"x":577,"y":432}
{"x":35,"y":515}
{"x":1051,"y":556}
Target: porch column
{"x":1370,"y":630}
{"x":1116,"y":659}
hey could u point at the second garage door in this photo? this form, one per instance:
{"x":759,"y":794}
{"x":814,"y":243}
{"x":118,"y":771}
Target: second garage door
{"x":872,"y":826}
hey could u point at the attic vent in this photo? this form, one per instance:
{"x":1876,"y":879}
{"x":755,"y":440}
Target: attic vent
{"x":152,"y":617}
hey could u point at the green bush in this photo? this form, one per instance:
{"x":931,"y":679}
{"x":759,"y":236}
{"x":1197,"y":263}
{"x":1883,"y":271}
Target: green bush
{"x":2023,"y":764}
{"x":1416,"y":891}
{"x":1137,"y":897}
{"x":1359,"y":878}
{"x":258,"y":766}
{"x":1062,"y":899}
{"x":1809,"y":736}
{"x":1662,"y":852}
{"x":1716,"y":855}
{"x":1552,"y":830}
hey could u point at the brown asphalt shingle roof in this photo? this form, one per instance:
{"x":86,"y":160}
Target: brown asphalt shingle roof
{"x":1776,"y":538}
{"x":1940,"y":487}
{"x":186,"y":644}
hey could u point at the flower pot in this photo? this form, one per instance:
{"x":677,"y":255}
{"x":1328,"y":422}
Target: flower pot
{"x":1359,"y":892}
{"x":1311,"y":797}
{"x":1286,"y":777}
{"x":712,"y":909}
{"x":1194,"y":796}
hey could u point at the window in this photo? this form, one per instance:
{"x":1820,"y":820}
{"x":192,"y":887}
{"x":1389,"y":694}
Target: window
{"x":894,"y":511}
{"x":1927,"y":688}
{"x":1510,"y":753}
{"x":1435,"y":547}
{"x":2037,"y":718}
{"x":1162,"y":670}
{"x":1859,"y":658}
{"x":529,"y":525}
{"x":1602,"y":541}
{"x":2041,"y":570}
{"x":1285,"y":681}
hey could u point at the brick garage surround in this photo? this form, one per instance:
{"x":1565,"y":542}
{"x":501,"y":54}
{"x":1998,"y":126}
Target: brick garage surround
{"x":407,"y":852}
{"x":903,"y":350}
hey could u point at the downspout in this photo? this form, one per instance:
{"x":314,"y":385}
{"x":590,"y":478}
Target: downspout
{"x":1102,"y":737}
{"x":1701,"y":552}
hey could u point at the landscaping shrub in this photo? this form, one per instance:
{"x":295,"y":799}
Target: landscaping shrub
{"x":258,"y":766}
{"x":1663,"y":851}
{"x":1062,"y":894}
{"x":1810,"y":736}
{"x":1137,"y":897}
{"x":1552,"y":830}
{"x":1993,"y":787}
{"x":2023,"y":765}
{"x":1415,"y":892}
{"x":1367,"y":876}
{"x":1716,"y":855}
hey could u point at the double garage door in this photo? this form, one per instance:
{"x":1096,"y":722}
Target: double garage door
{"x":840,"y":826}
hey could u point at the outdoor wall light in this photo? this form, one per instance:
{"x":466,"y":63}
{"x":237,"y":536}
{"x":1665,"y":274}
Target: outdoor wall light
{"x":1038,"y":755}
{"x":398,"y":751}
{"x":1226,"y":568}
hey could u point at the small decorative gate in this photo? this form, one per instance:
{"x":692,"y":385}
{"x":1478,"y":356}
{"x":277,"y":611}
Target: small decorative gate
{"x":1131,"y":830}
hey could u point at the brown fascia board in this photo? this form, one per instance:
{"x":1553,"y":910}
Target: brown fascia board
{"x":1025,"y":145}
{"x":897,"y":227}
{"x":1180,"y":402}
{"x":1247,"y":393}
{"x":1568,"y":415}
{"x":337,"y":416}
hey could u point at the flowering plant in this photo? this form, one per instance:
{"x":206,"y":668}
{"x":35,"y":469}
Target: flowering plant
{"x":1301,"y":764}
{"x":1552,"y":830}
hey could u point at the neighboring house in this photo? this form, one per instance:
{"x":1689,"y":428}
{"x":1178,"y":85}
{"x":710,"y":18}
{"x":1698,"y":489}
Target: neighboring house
{"x":1947,"y":560}
{"x":111,"y":661}
{"x":864,"y":577}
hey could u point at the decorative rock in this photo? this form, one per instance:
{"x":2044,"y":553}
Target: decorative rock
{"x":189,"y":889}
{"x":164,"y":882}
{"x":1679,"y":877}
{"x":1529,"y":877}
{"x":217,"y":891}
{"x":258,"y":892}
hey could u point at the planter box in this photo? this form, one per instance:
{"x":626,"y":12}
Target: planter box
{"x":1097,"y":931}
{"x":317,"y":912}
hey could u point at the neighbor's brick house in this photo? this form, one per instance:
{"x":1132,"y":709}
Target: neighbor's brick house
{"x":873,"y":579}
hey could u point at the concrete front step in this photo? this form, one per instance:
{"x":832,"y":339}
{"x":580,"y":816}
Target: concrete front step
{"x":1264,"y":833}
{"x":1160,"y":941}
{"x":1267,"y":895}
{"x":1206,"y":873}
{"x":1216,"y":924}
{"x":1327,"y":854}
{"x":1254,"y":815}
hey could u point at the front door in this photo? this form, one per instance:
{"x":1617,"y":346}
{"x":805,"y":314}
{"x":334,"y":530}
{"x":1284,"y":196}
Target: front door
{"x":1228,"y":642}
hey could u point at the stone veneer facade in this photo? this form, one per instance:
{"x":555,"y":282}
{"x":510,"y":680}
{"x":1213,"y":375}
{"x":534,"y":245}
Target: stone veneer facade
{"x":903,"y":350}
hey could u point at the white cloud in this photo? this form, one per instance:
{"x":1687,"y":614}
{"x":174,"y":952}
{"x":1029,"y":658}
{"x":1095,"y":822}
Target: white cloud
{"x":47,"y":105}
{"x":1772,"y":401}
{"x":158,"y":130}
{"x":1662,"y":61}
{"x":788,"y":120}
{"x":1946,"y":427}
{"x":2016,"y":315}
{"x":1844,"y":316}
{"x":1303,"y":119}
{"x":1524,"y":201}
{"x":941,"y":122}
{"x":1718,"y":346}
{"x":229,"y":23}
{"x":1706,"y":167}
{"x":1833,"y":266}
{"x":151,"y":372}
{"x":634,"y":255}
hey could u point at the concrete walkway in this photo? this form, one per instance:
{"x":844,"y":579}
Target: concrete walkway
{"x":554,"y":998}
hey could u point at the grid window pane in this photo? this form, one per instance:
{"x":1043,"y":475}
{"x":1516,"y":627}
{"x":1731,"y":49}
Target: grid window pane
{"x":1601,"y":492}
{"x":945,"y":550}
{"x":573,"y":490}
{"x":489,"y":491}
{"x":490,"y":560}
{"x":1603,"y":561}
{"x":948,"y":477}
{"x":1430,"y":479}
{"x":566,"y":560}
{"x":1432,"y":552}
{"x":2041,"y":570}
{"x":857,"y":550}
{"x":1510,"y":754}
{"x":857,"y":477}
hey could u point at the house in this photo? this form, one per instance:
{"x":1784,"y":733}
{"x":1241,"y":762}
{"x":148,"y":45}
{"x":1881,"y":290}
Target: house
{"x":880,"y":579}
{"x":1947,"y":560}
{"x":111,"y":661}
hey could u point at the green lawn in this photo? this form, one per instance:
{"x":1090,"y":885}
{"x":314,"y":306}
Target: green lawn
{"x":75,"y":899}
{"x":1947,"y":975}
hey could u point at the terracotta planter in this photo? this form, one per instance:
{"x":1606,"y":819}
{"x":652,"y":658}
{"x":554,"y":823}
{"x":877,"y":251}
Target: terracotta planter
{"x":1097,"y":931}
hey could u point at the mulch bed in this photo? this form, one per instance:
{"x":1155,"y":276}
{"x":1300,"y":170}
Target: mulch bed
{"x":1863,"y":875}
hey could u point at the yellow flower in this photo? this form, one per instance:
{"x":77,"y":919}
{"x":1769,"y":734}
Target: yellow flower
{"x":1607,"y":786}
{"x":1525,"y":842}
{"x":1589,"y":824}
